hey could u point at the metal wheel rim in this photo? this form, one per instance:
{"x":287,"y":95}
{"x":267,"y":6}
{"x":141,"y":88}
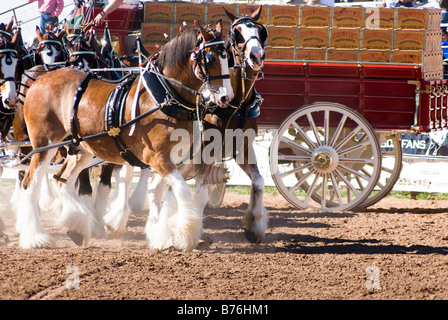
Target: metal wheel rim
{"x":391,"y":165}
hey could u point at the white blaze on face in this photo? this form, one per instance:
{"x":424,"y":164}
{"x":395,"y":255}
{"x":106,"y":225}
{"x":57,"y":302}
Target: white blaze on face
{"x":49,"y":54}
{"x":8,"y":89}
{"x":225,"y":93}
{"x":254,"y":50}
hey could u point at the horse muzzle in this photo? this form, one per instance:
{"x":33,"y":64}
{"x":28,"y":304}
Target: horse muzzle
{"x":222,"y":97}
{"x":256,"y":58}
{"x":9,"y":94}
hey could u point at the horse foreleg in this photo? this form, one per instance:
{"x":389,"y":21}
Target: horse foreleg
{"x":256,"y":218}
{"x":77,"y":210}
{"x":138,"y":199}
{"x":28,"y":224}
{"x":117,"y":217}
{"x":103,"y":190}
{"x":181,"y":230}
{"x":155,"y":195}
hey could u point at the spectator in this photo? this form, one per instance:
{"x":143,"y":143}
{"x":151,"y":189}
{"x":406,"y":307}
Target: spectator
{"x":389,"y":3}
{"x":443,"y":4}
{"x":111,"y":6}
{"x":320,"y":2}
{"x":444,"y":43}
{"x":49,"y":12}
{"x":406,"y":3}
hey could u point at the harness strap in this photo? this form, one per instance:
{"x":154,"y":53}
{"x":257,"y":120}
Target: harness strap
{"x":76,"y":139}
{"x":113,"y":121}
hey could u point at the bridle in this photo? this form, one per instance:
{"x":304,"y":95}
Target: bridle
{"x":250,"y":23}
{"x":238,"y":51}
{"x":207,"y":58}
{"x":10,"y":54}
{"x":83,"y":50}
{"x":52,"y":42}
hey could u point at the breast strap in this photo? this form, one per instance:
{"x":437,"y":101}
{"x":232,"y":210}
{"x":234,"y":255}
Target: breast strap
{"x":114,"y":118}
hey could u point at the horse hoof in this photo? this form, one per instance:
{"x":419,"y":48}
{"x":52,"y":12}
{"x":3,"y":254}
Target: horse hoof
{"x":76,"y":237}
{"x":251,"y":236}
{"x":204,"y":243}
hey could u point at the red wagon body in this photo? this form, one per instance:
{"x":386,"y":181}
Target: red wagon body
{"x":390,"y":97}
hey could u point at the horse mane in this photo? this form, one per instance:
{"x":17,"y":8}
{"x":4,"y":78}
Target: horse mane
{"x":178,"y":49}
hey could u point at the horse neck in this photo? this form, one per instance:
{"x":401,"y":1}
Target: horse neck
{"x":186,"y":77}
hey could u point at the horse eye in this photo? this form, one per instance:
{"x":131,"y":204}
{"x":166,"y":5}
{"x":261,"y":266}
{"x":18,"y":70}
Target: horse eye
{"x":239,"y":37}
{"x":209,"y":59}
{"x":223,"y":54}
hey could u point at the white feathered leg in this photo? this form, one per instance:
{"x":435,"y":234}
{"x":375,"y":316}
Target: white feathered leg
{"x":28,"y":224}
{"x":77,"y":212}
{"x":183,"y":229}
{"x":257,"y":217}
{"x":117,"y":217}
{"x":49,"y":198}
{"x":139,"y":200}
{"x":155,"y":195}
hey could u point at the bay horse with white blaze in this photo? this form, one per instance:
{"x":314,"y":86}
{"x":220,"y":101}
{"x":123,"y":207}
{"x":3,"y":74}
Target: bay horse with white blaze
{"x":70,"y":104}
{"x":245,"y":46}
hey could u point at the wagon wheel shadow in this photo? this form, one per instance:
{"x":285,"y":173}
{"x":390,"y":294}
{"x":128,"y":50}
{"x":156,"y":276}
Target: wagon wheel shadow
{"x":314,"y":245}
{"x":394,"y":210}
{"x":227,"y":226}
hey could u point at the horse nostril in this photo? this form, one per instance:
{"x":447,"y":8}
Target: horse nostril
{"x":253,"y":58}
{"x":6,"y":101}
{"x":224,"y":99}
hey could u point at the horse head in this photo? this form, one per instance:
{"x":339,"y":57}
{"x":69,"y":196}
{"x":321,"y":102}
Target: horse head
{"x":6,"y":29}
{"x":247,"y":37}
{"x":8,"y":69}
{"x":210,"y":64}
{"x":83,"y":49}
{"x":50,"y":49}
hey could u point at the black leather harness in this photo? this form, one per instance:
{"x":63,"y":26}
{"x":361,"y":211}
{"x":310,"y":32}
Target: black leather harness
{"x":114,"y":118}
{"x":166,"y":98}
{"x":173,"y":105}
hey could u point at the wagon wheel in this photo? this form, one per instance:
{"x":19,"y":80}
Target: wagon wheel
{"x":325,"y":156}
{"x":391,"y":165}
{"x":216,"y":195}
{"x":217,"y":190}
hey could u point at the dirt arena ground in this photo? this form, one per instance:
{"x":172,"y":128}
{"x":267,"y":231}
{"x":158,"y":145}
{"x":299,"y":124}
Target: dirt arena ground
{"x":394,"y":250}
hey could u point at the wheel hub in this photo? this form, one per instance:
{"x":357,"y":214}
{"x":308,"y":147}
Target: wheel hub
{"x":325,"y":159}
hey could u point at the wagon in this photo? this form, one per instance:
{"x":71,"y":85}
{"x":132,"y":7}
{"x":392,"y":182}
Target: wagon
{"x":331,"y":120}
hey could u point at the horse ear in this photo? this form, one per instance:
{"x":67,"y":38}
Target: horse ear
{"x":205,"y":35}
{"x":256,"y":14}
{"x":15,"y":40}
{"x":231,"y":17}
{"x":39,"y":34}
{"x":219,"y":26}
{"x":61,"y":34}
{"x":10,"y":24}
{"x":66,"y":27}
